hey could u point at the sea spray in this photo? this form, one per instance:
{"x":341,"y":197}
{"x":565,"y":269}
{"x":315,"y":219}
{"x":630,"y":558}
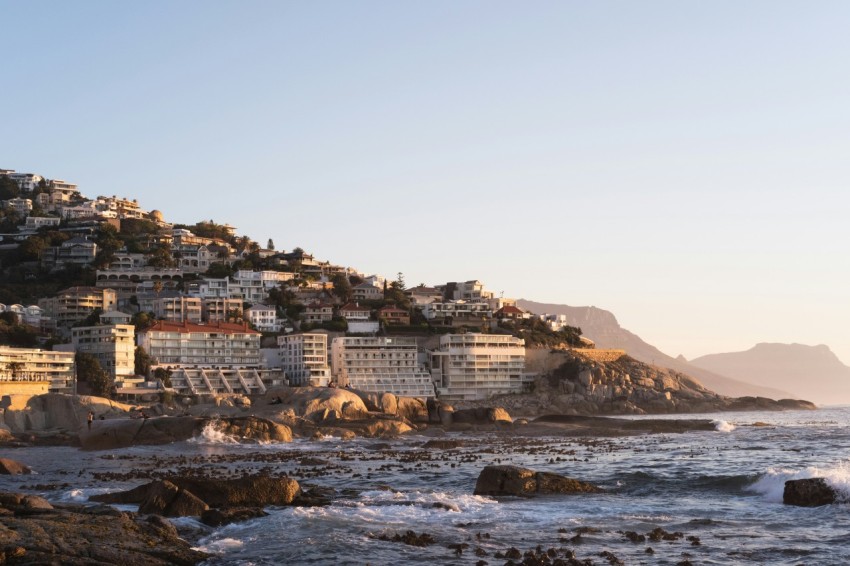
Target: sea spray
{"x":212,"y":435}
{"x":723,"y":426}
{"x":771,"y":485}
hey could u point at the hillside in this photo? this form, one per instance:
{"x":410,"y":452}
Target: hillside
{"x":810,"y":372}
{"x":602,"y":327}
{"x":600,"y":383}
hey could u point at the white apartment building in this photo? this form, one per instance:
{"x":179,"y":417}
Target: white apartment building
{"x":304,"y":359}
{"x":460,"y":309}
{"x":26,"y":181}
{"x":114,"y":345}
{"x":465,"y":291}
{"x":477,"y":366}
{"x":36,"y":222}
{"x":268,"y":279}
{"x":32,"y":365}
{"x":208,"y":345}
{"x":380,"y":365}
{"x":263,"y":317}
{"x":22,"y":206}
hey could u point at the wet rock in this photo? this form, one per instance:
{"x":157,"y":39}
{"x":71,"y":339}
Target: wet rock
{"x":409,"y":537}
{"x":219,"y":517}
{"x":446,"y":506}
{"x":634,"y":537}
{"x":166,"y":499}
{"x":810,"y":492}
{"x":481,"y":415}
{"x":13,"y":467}
{"x":441,"y":444}
{"x":71,"y":535}
{"x":514,"y":480}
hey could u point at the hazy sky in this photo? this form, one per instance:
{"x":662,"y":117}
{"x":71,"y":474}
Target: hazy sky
{"x":685,"y":165}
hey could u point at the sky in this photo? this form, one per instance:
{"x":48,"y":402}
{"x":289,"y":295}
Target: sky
{"x":681,"y":164}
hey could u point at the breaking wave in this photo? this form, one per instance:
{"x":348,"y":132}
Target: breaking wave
{"x":211,"y":435}
{"x":771,"y":485}
{"x":723,"y":426}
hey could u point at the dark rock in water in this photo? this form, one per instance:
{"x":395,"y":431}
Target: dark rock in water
{"x":443,"y":444}
{"x":513,"y":480}
{"x":810,"y":492}
{"x":72,"y":535}
{"x":219,"y":517}
{"x":166,"y":499}
{"x":23,"y":504}
{"x":409,"y":537}
{"x":481,"y":415}
{"x":247,"y":491}
{"x":13,"y":468}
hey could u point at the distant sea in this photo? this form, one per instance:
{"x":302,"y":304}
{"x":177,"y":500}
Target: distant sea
{"x":721,"y":490}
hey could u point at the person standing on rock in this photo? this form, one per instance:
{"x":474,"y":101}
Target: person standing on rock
{"x":90,"y":418}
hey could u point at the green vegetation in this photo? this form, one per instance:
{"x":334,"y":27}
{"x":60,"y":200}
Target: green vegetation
{"x":90,"y":372}
{"x":142,"y":362}
{"x":537,"y":334}
{"x":12,"y":333}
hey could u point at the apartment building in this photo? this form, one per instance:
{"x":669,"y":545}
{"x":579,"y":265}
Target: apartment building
{"x":23,"y":206}
{"x":27,"y":182}
{"x":209,"y":345}
{"x":218,"y":309}
{"x":304,"y":359}
{"x":263,"y":318}
{"x":114,"y":345}
{"x":380,"y":365}
{"x":74,"y":304}
{"x":447,"y":312}
{"x":477,"y":366}
{"x":76,"y":251}
{"x":54,"y":369}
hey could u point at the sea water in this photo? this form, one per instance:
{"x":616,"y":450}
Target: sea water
{"x":722,"y":490}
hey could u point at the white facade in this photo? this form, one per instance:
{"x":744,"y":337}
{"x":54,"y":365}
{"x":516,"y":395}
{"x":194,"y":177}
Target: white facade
{"x":212,"y":345}
{"x":22,"y":206}
{"x":31,"y":364}
{"x":457,"y":309}
{"x":263,"y":317}
{"x":36,"y":222}
{"x":477,"y":366}
{"x":114,"y":346}
{"x":304,"y":358}
{"x":380,"y":365}
{"x":26,"y":181}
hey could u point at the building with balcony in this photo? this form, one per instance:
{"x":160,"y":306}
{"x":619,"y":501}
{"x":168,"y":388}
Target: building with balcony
{"x":263,"y":318}
{"x":114,"y":345}
{"x":478,"y":366}
{"x":318,"y":313}
{"x":31,"y":370}
{"x":221,"y":344}
{"x":393,"y":315}
{"x":380,"y":365}
{"x":304,"y":359}
{"x":76,"y":251}
{"x":74,"y":304}
{"x":23,"y":206}
{"x":366,"y":292}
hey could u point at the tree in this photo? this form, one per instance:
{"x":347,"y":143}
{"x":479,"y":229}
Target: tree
{"x":142,"y":362}
{"x":342,"y":288}
{"x":270,"y":244}
{"x":161,"y":257}
{"x":163,"y":375}
{"x":8,"y":188}
{"x":14,"y":369}
{"x":90,"y":371}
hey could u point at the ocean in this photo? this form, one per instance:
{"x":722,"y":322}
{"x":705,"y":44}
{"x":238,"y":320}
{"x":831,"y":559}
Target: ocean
{"x":717,"y":496}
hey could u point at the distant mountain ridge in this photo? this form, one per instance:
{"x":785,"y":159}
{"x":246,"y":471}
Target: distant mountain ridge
{"x":602,"y":327}
{"x":810,"y":372}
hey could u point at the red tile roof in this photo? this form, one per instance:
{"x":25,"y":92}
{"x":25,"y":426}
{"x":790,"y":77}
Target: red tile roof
{"x":186,"y":327}
{"x":510,"y":309}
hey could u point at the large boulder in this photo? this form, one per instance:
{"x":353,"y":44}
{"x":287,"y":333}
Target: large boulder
{"x":810,"y":492}
{"x":50,"y":411}
{"x":514,"y":480}
{"x":76,"y":534}
{"x":413,"y":409}
{"x":166,"y":499}
{"x":247,"y":491}
{"x":13,"y":467}
{"x":121,"y":433}
{"x":315,"y":403}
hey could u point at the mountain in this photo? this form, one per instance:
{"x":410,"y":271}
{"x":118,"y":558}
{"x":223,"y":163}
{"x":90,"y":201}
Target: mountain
{"x":602,"y":327}
{"x":810,"y":372}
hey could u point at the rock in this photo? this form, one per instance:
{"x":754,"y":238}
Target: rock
{"x":13,"y":468}
{"x":121,"y":433}
{"x":247,"y":491}
{"x":384,"y":429}
{"x":513,"y":480}
{"x":312,"y":402}
{"x":74,"y":535}
{"x":20,"y":503}
{"x":389,"y":404}
{"x":481,"y":415}
{"x":166,"y":499}
{"x":811,"y":492}
{"x":442,"y":444}
{"x":412,"y":409}
{"x":219,"y":517}
{"x":131,"y":497}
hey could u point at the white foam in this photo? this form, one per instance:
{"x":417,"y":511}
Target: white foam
{"x":771,"y":485}
{"x":220,"y":546}
{"x":723,"y":426}
{"x":211,"y":435}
